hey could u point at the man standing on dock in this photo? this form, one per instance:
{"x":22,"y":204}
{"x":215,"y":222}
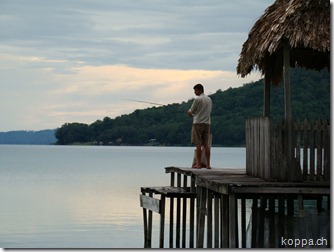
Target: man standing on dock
{"x":200,"y":111}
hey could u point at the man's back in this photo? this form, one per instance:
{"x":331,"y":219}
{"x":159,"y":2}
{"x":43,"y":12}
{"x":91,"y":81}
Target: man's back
{"x":201,"y":109}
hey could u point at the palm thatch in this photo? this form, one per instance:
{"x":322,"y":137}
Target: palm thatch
{"x":303,"y":24}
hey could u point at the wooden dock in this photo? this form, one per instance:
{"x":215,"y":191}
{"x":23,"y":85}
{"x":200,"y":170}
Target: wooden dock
{"x":215,"y":204}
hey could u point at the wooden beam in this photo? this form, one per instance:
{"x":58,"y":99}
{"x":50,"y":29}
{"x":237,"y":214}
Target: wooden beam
{"x":224,"y":208}
{"x":281,"y":190}
{"x":162,"y":221}
{"x":286,"y":78}
{"x":150,"y":203}
{"x":201,"y":215}
{"x":266,"y":103}
{"x":288,"y":117}
{"x":233,"y":224}
{"x":209,"y":219}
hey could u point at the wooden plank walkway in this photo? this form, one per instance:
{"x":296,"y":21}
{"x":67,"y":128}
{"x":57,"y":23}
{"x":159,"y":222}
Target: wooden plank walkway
{"x":235,"y":180}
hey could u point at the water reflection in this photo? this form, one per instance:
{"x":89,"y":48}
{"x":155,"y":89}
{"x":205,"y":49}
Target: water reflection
{"x":80,"y":197}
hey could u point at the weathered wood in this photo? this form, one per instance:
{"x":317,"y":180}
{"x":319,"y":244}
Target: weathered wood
{"x":184,"y":214}
{"x":312,"y":158}
{"x":305,"y":151}
{"x":171,"y":212}
{"x":298,"y":141}
{"x":248,"y":146}
{"x":268,"y":157}
{"x":254,"y":222}
{"x":225,"y":221}
{"x":233,"y":223}
{"x":162,"y":221}
{"x":281,"y":158}
{"x":319,"y":150}
{"x":281,"y":213}
{"x":146,"y":240}
{"x":201,"y":216}
{"x":192,"y":214}
{"x":271,"y":230}
{"x":150,"y":203}
{"x":267,"y":148}
{"x":172,"y":178}
{"x":288,"y":112}
{"x":216,"y":220}
{"x":301,"y":206}
{"x":257,"y":144}
{"x":209,"y":219}
{"x":260,"y":240}
{"x":178,"y":214}
{"x":227,"y":188}
{"x":326,"y":151}
{"x":280,"y":190}
{"x":266,"y":95}
{"x":171,"y":222}
{"x":243,"y":223}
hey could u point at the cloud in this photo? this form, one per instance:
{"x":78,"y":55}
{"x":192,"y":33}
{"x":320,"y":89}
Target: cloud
{"x":88,"y":93}
{"x":64,"y":61}
{"x":143,"y":34}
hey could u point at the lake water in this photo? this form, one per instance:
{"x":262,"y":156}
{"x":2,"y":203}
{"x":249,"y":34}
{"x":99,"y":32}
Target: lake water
{"x":85,"y":196}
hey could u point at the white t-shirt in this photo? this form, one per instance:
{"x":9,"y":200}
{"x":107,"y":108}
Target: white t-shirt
{"x":201,"y":109}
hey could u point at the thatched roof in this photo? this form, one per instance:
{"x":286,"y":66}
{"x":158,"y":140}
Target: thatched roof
{"x":303,"y":24}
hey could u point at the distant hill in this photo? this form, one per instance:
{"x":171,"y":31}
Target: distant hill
{"x":28,"y":137}
{"x":169,"y":125}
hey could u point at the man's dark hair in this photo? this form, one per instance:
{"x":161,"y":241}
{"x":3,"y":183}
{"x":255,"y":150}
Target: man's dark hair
{"x":199,"y":87}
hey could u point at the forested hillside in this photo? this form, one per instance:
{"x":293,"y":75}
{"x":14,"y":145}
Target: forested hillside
{"x":169,"y":125}
{"x":28,"y":137}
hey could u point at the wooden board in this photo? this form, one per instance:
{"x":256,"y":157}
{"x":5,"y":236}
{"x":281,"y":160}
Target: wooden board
{"x":150,"y":203}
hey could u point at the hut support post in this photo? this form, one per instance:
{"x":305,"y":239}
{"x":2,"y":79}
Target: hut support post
{"x":288,"y":114}
{"x":266,"y":104}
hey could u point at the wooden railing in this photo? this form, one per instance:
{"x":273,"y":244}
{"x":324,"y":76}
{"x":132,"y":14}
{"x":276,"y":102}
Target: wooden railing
{"x":266,"y":150}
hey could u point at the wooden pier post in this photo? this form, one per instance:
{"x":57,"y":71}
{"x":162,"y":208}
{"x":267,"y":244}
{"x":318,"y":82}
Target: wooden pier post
{"x":184,"y":215}
{"x":202,"y":192}
{"x":232,"y":212}
{"x":225,"y":221}
{"x":178,"y":214}
{"x":209,"y":219}
{"x":216,"y":219}
{"x":254,"y":222}
{"x":171,"y":212}
{"x":162,"y":220}
{"x":243,"y":223}
{"x":192,"y":214}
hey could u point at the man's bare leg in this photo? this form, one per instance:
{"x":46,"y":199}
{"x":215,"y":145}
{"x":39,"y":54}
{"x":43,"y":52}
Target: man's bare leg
{"x":207,"y":156}
{"x":198,"y":156}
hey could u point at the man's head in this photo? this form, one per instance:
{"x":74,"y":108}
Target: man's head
{"x":198,"y":89}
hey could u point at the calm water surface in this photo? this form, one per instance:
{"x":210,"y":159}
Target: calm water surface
{"x":85,"y":196}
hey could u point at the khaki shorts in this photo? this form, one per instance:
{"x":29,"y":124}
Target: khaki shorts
{"x":200,"y":134}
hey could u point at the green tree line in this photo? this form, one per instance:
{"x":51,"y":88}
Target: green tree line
{"x":169,"y":125}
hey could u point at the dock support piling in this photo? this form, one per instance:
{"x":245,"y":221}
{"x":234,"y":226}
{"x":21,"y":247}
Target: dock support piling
{"x":233,"y":230}
{"x":162,"y":221}
{"x":184,"y":215}
{"x":209,"y":219}
{"x":224,"y":208}
{"x":201,"y":216}
{"x":216,"y":220}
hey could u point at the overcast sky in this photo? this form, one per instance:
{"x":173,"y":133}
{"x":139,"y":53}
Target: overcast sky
{"x":82,"y":60}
